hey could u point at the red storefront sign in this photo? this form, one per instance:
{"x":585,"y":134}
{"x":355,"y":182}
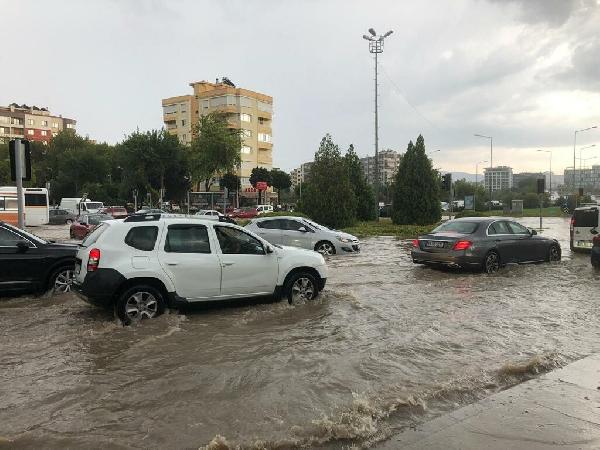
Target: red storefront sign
{"x":261,"y":185}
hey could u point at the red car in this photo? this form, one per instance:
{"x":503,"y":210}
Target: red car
{"x":85,"y":224}
{"x":247,"y":212}
{"x":117,"y":212}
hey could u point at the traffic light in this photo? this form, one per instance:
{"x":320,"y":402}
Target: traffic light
{"x":25,"y":160}
{"x":446,"y":181}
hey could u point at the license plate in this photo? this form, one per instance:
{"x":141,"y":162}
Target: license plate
{"x":436,"y":244}
{"x":586,"y":244}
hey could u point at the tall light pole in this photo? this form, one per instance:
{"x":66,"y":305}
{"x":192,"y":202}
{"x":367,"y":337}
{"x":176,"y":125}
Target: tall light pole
{"x":491,"y":161}
{"x":476,"y":180}
{"x":548,"y":151}
{"x":581,"y":149}
{"x":376,"y":47}
{"x":574,"y":151}
{"x":587,"y":159}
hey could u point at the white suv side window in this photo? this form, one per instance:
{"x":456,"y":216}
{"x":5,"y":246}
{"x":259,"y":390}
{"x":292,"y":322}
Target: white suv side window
{"x":236,"y":242}
{"x":187,"y":239}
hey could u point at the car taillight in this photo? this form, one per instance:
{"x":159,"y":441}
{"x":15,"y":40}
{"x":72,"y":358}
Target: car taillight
{"x":93,"y":260}
{"x":462,"y":245}
{"x":415,"y":243}
{"x":596,"y":240}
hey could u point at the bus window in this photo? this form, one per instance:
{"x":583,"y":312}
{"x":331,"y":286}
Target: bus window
{"x":35,"y":199}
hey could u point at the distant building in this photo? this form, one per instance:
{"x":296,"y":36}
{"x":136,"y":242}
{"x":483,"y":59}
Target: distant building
{"x":389,"y":161}
{"x":523,"y":176}
{"x":31,"y":123}
{"x":586,"y":178}
{"x":247,"y":110}
{"x":498,"y":178}
{"x":301,"y":174}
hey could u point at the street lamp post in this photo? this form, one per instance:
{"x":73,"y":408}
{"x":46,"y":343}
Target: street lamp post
{"x":548,"y":151}
{"x":376,"y":47}
{"x":587,"y":159}
{"x":491,"y":161}
{"x":476,"y":180}
{"x":574,"y":151}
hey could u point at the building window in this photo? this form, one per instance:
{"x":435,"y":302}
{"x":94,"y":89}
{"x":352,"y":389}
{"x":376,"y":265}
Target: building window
{"x":184,"y":138}
{"x":30,"y":132}
{"x":71,"y":125}
{"x":246,"y":150}
{"x":245,"y":117}
{"x":44,"y":123}
{"x":1,"y":130}
{"x":183,"y":123}
{"x":54,"y":124}
{"x":29,"y":121}
{"x":204,"y":104}
{"x":44,"y":132}
{"x":246,"y":133}
{"x":264,"y":137}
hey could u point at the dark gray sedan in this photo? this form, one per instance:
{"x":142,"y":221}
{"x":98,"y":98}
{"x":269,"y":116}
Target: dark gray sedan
{"x":486,"y":243}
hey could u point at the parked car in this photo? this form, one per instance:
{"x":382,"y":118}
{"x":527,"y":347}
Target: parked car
{"x":304,"y":233}
{"x":145,"y":263}
{"x":31,"y":264}
{"x":61,"y":216}
{"x":214,"y":214}
{"x":584,"y":227}
{"x":117,"y":212}
{"x":247,"y":212}
{"x":483,"y":242}
{"x":151,"y":211}
{"x":85,"y":224}
{"x":264,"y":209}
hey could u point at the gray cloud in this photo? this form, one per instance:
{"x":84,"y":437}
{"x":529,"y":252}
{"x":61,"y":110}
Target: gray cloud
{"x":584,"y":72}
{"x":551,"y":12}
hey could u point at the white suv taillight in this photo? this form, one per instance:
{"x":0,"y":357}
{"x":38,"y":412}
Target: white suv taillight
{"x":93,"y":260}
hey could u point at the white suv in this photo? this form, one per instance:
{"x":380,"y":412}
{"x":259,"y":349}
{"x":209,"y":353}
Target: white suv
{"x":144,"y":263}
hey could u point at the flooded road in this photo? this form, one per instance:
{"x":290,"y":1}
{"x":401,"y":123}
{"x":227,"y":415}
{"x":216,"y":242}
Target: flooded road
{"x":388,"y":345}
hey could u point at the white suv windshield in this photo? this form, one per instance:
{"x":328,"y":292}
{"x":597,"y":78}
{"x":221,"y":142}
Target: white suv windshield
{"x":316,"y":225}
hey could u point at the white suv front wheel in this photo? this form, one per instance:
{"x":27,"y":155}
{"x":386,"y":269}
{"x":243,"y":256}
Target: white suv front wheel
{"x":300,"y":287}
{"x":138,"y":303}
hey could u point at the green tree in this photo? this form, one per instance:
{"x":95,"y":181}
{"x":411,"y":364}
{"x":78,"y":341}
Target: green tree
{"x":366,"y":206}
{"x":259,"y":174}
{"x":4,"y":165}
{"x":416,"y":188}
{"x":215,"y":148}
{"x":280,"y":181}
{"x":329,"y":198}
{"x":230,"y":181}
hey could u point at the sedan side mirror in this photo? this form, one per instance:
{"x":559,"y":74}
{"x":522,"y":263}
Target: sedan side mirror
{"x":303,"y":230}
{"x":594,"y":231}
{"x":269,"y":249}
{"x":23,"y":246}
{"x":532,"y":232}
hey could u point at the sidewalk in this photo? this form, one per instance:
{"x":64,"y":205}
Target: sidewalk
{"x":558,"y":410}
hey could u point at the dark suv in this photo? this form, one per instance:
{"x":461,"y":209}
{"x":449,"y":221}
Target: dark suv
{"x":31,"y":264}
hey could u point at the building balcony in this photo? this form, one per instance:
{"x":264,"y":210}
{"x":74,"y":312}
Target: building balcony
{"x":265,"y":145}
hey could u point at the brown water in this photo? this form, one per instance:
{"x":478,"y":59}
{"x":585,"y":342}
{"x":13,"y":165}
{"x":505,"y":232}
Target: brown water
{"x":387,"y":345}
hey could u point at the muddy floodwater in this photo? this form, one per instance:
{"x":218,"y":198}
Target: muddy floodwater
{"x":387,"y":346}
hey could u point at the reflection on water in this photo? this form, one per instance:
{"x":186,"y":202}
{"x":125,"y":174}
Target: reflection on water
{"x":389,"y":344}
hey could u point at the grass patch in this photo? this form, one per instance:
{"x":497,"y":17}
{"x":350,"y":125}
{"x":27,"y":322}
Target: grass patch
{"x":552,"y":211}
{"x":385,"y":227}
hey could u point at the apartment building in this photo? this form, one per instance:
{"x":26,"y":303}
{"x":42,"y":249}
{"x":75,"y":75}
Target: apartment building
{"x":31,"y":123}
{"x":389,"y":161}
{"x":301,"y":174}
{"x":247,"y":110}
{"x":588,"y":178}
{"x":498,"y":178}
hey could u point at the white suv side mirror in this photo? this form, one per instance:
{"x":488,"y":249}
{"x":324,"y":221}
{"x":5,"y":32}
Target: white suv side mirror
{"x":303,"y":230}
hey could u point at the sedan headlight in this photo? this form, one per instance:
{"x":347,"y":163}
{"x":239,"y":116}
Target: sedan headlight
{"x":344,"y":239}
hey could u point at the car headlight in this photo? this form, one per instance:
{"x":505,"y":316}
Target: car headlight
{"x":344,"y":239}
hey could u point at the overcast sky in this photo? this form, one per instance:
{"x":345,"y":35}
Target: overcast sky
{"x":526,"y":72}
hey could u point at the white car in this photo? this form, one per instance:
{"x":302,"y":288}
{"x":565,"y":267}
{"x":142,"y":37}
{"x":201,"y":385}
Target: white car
{"x":143,"y":264}
{"x":304,"y":233}
{"x":264,"y":209}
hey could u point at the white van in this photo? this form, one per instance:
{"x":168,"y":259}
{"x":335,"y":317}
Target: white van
{"x":584,"y":226}
{"x":264,"y":209}
{"x":77,"y":207}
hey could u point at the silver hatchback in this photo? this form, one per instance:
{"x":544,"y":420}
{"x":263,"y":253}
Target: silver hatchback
{"x":301,"y":232}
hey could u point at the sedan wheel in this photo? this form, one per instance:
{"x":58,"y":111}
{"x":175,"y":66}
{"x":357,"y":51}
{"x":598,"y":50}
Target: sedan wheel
{"x":303,"y":289}
{"x":325,"y":248}
{"x":63,"y":281}
{"x":554,"y":254}
{"x":492,"y":263}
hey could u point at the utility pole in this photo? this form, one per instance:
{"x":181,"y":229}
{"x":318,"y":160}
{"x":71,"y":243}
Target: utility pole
{"x":491,"y":164}
{"x":376,"y":47}
{"x":19,"y":179}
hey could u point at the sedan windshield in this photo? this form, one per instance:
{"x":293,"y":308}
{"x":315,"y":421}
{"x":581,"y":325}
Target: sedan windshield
{"x":457,"y":226}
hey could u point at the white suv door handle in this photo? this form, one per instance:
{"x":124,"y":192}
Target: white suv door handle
{"x":225,"y":264}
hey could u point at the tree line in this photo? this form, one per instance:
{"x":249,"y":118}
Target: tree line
{"x":145,"y":162}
